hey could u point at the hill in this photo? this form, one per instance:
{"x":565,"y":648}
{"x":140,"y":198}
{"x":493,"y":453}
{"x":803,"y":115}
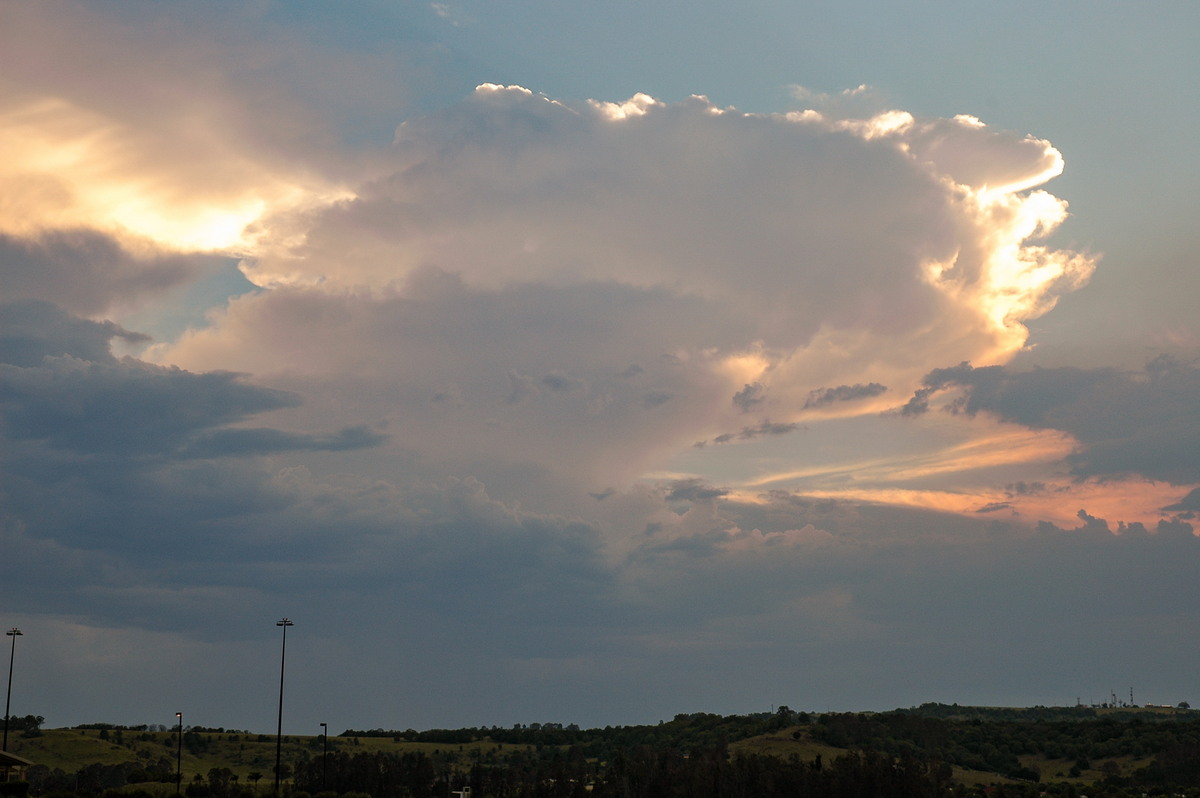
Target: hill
{"x":1025,"y":750}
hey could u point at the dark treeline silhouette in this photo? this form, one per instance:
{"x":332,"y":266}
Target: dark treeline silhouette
{"x":901,"y":753}
{"x":641,"y":772}
{"x":992,"y":741}
{"x":685,"y":731}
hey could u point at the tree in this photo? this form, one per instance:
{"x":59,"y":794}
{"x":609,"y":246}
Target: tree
{"x":784,"y":717}
{"x":28,"y":723}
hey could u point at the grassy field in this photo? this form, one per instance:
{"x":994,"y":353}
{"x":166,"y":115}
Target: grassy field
{"x":783,"y":744}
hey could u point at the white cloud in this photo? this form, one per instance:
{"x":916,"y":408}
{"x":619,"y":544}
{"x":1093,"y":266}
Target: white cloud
{"x":514,"y":243}
{"x":176,"y":134}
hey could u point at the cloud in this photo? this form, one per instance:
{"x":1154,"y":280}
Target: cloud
{"x":84,"y":271}
{"x":1125,"y":423}
{"x":442,"y":430}
{"x":1189,"y":503}
{"x":96,"y":140}
{"x":123,"y":408}
{"x":31,"y":331}
{"x":512,"y":186}
{"x":843,"y":393}
{"x":567,"y":273}
{"x":767,"y":427}
{"x":693,"y":490}
{"x":491,"y":593}
{"x":63,"y":387}
{"x":749,"y":397}
{"x":528,"y":374}
{"x":240,"y":442}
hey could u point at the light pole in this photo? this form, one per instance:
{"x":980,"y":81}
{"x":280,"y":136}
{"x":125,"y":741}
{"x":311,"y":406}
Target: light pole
{"x":179,"y":754}
{"x":285,"y":623}
{"x":324,"y":754}
{"x":14,"y":633}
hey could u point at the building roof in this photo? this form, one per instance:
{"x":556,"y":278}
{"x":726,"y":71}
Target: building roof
{"x":11,"y":760}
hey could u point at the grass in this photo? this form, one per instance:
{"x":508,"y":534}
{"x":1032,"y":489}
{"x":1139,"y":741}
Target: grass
{"x":784,"y":744}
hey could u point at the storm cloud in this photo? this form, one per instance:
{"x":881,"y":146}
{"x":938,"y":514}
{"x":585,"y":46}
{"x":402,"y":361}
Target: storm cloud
{"x":319,"y":317}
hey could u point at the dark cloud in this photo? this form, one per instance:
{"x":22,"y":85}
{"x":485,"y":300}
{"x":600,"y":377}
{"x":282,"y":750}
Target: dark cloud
{"x":750,"y":397}
{"x":32,"y":330}
{"x":769,"y":428}
{"x":843,"y":393}
{"x":85,"y":271}
{"x":1189,"y":503}
{"x":1091,"y":522}
{"x":653,"y":399}
{"x":61,"y":386}
{"x":764,"y":428}
{"x":243,"y":442}
{"x":933,"y":382}
{"x":693,"y":490}
{"x":126,"y":408}
{"x":1145,"y":423}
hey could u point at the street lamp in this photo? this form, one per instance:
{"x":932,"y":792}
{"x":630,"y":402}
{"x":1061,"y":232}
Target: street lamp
{"x":179,"y":754}
{"x":285,"y":623}
{"x":14,"y":633}
{"x":324,"y":754}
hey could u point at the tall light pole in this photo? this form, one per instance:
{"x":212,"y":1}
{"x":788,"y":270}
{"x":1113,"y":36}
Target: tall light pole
{"x":14,"y":633}
{"x":324,"y":754}
{"x":179,"y":754}
{"x":285,"y":623}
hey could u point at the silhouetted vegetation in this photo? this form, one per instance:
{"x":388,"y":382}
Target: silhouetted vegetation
{"x":639,"y":772}
{"x":993,"y":740}
{"x":934,"y":749}
{"x":685,"y":731}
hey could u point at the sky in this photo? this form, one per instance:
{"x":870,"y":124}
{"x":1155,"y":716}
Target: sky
{"x":596,"y":363}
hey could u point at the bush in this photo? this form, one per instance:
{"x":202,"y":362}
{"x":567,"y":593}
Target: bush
{"x":1025,"y":774}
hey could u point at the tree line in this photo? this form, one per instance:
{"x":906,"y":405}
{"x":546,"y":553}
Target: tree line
{"x":639,"y":772}
{"x":908,"y":753}
{"x":994,"y":742}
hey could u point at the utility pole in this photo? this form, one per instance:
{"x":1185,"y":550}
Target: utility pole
{"x":179,"y":755}
{"x":285,"y":623}
{"x":14,"y":633}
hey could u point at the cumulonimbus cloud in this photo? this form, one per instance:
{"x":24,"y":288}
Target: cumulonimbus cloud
{"x":710,"y":249}
{"x":458,"y":408}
